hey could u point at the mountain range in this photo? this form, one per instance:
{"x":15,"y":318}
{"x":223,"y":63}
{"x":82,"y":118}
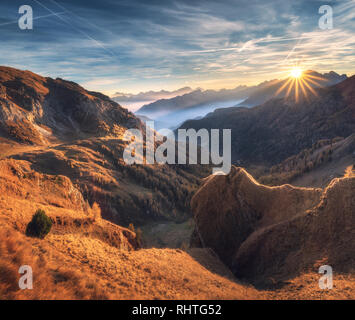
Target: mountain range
{"x":174,"y":231}
{"x":198,"y":103}
{"x":282,"y":127}
{"x":121,"y":97}
{"x":136,"y":101}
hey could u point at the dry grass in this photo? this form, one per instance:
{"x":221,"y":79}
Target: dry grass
{"x":305,"y":287}
{"x":73,"y":266}
{"x":51,"y":280}
{"x":86,"y":257}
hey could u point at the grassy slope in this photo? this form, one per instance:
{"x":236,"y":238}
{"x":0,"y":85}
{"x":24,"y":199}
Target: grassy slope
{"x":78,"y":261}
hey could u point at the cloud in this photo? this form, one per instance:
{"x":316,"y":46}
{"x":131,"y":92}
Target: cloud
{"x":135,"y":45}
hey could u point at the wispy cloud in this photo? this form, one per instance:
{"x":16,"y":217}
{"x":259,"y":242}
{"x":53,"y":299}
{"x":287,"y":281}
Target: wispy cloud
{"x":139,"y":45}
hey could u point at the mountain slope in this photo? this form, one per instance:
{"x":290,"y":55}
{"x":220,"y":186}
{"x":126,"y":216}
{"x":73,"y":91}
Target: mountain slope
{"x":40,"y":110}
{"x":86,"y":257}
{"x":313,"y":167}
{"x":277,"y":233}
{"x":198,"y":103}
{"x":271,"y":89}
{"x":269,"y":133}
{"x":79,"y":134}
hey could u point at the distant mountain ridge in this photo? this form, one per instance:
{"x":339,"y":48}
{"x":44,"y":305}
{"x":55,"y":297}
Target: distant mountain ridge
{"x":281,"y":127}
{"x":200,"y":102}
{"x":271,"y":88}
{"x":149,"y":95}
{"x":194,"y":99}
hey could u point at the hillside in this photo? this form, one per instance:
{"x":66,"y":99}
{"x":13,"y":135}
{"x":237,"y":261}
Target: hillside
{"x":39,"y":110}
{"x":313,"y":167}
{"x":86,"y":257}
{"x":63,"y":129}
{"x":270,"y":235}
{"x":280,"y":128}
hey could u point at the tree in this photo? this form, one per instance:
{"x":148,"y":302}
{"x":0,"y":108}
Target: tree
{"x":40,"y":225}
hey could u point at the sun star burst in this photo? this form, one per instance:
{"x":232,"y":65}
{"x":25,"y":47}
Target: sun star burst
{"x":300,"y":83}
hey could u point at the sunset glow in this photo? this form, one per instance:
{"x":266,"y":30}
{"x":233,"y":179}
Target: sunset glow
{"x":296,"y":72}
{"x":300,"y":83}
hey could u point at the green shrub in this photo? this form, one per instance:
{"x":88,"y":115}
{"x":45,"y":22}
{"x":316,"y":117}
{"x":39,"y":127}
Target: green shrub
{"x":39,"y":226}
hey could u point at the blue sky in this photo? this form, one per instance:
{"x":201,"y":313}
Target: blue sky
{"x":132,"y":46}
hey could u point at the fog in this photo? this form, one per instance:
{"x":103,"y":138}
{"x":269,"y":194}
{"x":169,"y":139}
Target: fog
{"x":172,"y":120}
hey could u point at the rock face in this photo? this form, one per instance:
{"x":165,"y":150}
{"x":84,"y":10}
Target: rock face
{"x":263,"y":232}
{"x":35,"y":109}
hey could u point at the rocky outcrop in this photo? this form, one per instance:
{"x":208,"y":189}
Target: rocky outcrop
{"x":263,"y":232}
{"x":325,"y":234}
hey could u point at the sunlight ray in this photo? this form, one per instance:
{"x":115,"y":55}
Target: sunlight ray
{"x":312,"y":81}
{"x":296,"y":90}
{"x":283,"y":86}
{"x":303,"y":88}
{"x":290,"y":88}
{"x":314,"y":77}
{"x":310,"y":88}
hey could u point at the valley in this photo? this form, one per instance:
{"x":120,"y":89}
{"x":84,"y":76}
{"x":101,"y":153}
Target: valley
{"x":174,"y":231}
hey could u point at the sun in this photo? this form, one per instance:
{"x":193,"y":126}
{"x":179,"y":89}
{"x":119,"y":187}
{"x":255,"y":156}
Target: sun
{"x":299,"y":83}
{"x":296,"y":73}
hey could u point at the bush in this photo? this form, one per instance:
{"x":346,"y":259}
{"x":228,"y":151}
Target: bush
{"x":39,"y":226}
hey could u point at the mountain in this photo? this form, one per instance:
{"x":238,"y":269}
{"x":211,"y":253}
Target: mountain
{"x":149,"y":95}
{"x":135,"y":101}
{"x":313,"y":167}
{"x":271,"y":89}
{"x":269,"y":235}
{"x":175,"y":111}
{"x":61,"y":152}
{"x":193,"y":99}
{"x":269,"y":133}
{"x":41,"y":110}
{"x":172,"y":112}
{"x":62,"y":129}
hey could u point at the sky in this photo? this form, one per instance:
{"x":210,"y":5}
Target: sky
{"x":132,"y":46}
